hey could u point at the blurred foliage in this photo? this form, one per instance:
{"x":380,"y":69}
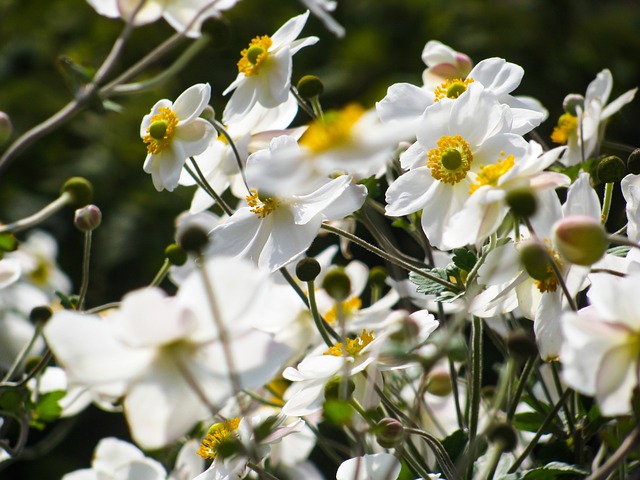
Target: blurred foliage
{"x":561,"y":44}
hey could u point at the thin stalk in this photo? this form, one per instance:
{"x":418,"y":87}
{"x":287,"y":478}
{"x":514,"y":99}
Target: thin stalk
{"x":448,"y":468}
{"x":522,"y":383}
{"x":606,"y":202}
{"x":303,"y":104}
{"x":86,"y":258}
{"x":627,"y":447}
{"x":162,"y":273}
{"x":558,"y":385}
{"x":63,"y":200}
{"x":221,"y":128}
{"x":456,"y":394}
{"x":23,"y":353}
{"x":226,"y":208}
{"x":475,"y":383}
{"x":313,"y":307}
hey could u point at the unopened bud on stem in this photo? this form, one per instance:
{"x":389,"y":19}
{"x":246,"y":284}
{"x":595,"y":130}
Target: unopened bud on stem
{"x":580,"y":239}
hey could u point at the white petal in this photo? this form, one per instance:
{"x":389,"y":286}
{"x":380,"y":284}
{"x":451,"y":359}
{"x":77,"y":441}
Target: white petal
{"x":403,"y":101}
{"x":288,"y":32}
{"x":410,"y":192}
{"x":190,"y":104}
{"x":497,"y":75}
{"x":617,"y":377}
{"x":288,"y":240}
{"x":377,"y":466}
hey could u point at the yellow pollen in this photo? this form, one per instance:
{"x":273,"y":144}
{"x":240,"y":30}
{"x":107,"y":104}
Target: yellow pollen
{"x":333,"y":129}
{"x":451,"y":160}
{"x":218,"y":434}
{"x":451,"y":88}
{"x":349,"y":307}
{"x":254,"y":55}
{"x":261,"y":206}
{"x":169,"y":121}
{"x":490,"y":174}
{"x":550,"y":284}
{"x":353,"y":347}
{"x":567,"y":126}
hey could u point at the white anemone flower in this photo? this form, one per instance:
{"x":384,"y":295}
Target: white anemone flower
{"x":454,"y":141}
{"x":184,"y":16}
{"x":173,"y":132}
{"x":601,"y":353}
{"x":264,"y":69}
{"x":375,"y":466}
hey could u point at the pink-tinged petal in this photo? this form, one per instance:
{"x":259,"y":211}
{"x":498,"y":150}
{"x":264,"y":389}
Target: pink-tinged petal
{"x":150,"y":11}
{"x":582,"y":199}
{"x":88,"y":349}
{"x":616,"y":379}
{"x":618,"y":103}
{"x":377,"y":466}
{"x":497,"y":75}
{"x":410,"y":192}
{"x":435,"y":53}
{"x":288,"y":32}
{"x":413,"y":157}
{"x":288,"y":240}
{"x":190,"y":104}
{"x":403,"y":102}
{"x":195,"y":136}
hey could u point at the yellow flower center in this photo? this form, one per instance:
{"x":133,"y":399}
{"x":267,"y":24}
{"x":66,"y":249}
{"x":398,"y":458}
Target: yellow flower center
{"x":332,"y":130}
{"x":451,"y":88}
{"x":353,"y":346}
{"x":161,"y":131}
{"x":490,"y":174}
{"x":218,"y":434}
{"x":261,"y":206}
{"x":254,"y":55}
{"x":550,"y":284}
{"x":567,"y":126}
{"x":451,"y":160}
{"x":349,"y":307}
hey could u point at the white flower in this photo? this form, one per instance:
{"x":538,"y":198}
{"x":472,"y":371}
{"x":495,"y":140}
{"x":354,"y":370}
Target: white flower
{"x":376,"y":466}
{"x":601,"y":353}
{"x":630,"y":186}
{"x":173,"y":132}
{"x":265,"y":68}
{"x":443,"y":63}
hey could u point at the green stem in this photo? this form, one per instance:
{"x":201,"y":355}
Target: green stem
{"x":162,"y":273}
{"x":303,"y":104}
{"x":205,"y":184}
{"x":86,"y":258}
{"x":220,"y":127}
{"x":448,"y":468}
{"x":63,"y":200}
{"x":522,"y":383}
{"x":606,"y":202}
{"x":627,"y":447}
{"x":313,"y":307}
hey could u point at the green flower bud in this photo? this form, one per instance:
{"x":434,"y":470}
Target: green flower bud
{"x":40,"y":314}
{"x":611,"y":169}
{"x":193,"y":239}
{"x":571,"y":103}
{"x":522,"y":202}
{"x":503,"y":434}
{"x":80,"y":190}
{"x":333,"y":387}
{"x":87,"y":218}
{"x":378,"y":275}
{"x":522,"y":345}
{"x":337,"y":284}
{"x":308,"y":269}
{"x":310,"y":86}
{"x":633,"y":162}
{"x":439,"y":383}
{"x":580,"y":239}
{"x":175,"y":254}
{"x":535,"y":259}
{"x":389,"y":432}
{"x":6,"y":128}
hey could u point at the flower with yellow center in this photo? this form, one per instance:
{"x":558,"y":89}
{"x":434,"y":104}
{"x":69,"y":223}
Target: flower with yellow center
{"x":451,"y":88}
{"x":254,"y":55}
{"x":490,"y":174}
{"x":566,"y":128}
{"x":333,"y":130}
{"x":161,"y":131}
{"x":218,"y":435}
{"x":261,"y":206}
{"x":349,"y":307}
{"x":450,"y":161}
{"x":352,"y":346}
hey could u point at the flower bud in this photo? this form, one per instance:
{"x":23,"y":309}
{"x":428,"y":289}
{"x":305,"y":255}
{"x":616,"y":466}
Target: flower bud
{"x":389,"y":432}
{"x":40,"y":314}
{"x":521,"y":345}
{"x":535,"y":260}
{"x":87,"y":218}
{"x":310,"y":86}
{"x":439,"y":383}
{"x":610,"y":169}
{"x":571,"y":103}
{"x":405,"y":330}
{"x":175,"y":254}
{"x":633,"y":162}
{"x":6,"y":128}
{"x":193,"y":239}
{"x":522,"y":202}
{"x":503,"y":434}
{"x":208,"y":113}
{"x":580,"y":239}
{"x":337,"y":284}
{"x":80,"y":190}
{"x":333,"y":387}
{"x":378,"y":275}
{"x":308,"y":269}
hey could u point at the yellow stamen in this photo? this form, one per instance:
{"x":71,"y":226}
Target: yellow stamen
{"x":349,"y":307}
{"x":451,"y":161}
{"x":218,"y":434}
{"x":161,"y":131}
{"x":261,"y":206}
{"x":567,"y":126}
{"x":550,"y":284}
{"x":254,"y":55}
{"x":451,"y":88}
{"x":490,"y":174}
{"x":353,"y":347}
{"x":332,"y":130}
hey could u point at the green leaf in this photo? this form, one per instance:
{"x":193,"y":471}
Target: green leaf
{"x":531,"y":421}
{"x":428,"y":286}
{"x":8,"y":242}
{"x":455,"y":444}
{"x":464,"y":259}
{"x":371,"y":183}
{"x":48,"y":407}
{"x":553,"y":470}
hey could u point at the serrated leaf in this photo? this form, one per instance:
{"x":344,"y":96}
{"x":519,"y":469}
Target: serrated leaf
{"x":463,"y":259}
{"x":553,"y":469}
{"x":48,"y":406}
{"x":426,"y":285}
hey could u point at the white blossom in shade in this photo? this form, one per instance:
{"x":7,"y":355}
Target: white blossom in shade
{"x":264,"y":69}
{"x":601,"y":353}
{"x":375,"y":466}
{"x":184,"y":15}
{"x":174,"y":132}
{"x":278,"y":225}
{"x":486,"y":208}
{"x":583,"y":128}
{"x":154,"y":348}
{"x":443,"y":164}
{"x":116,"y":459}
{"x":630,"y":186}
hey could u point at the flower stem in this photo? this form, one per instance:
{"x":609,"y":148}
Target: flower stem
{"x":313,"y":307}
{"x":606,"y":202}
{"x":162,"y":273}
{"x":86,"y":257}
{"x":38,"y":217}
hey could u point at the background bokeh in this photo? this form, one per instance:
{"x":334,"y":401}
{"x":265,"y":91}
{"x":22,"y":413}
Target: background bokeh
{"x":562,"y":45}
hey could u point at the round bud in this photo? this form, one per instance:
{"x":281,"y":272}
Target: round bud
{"x":439,"y":383}
{"x":175,"y":254}
{"x":208,"y":113}
{"x":378,"y":275}
{"x":571,"y":103}
{"x":40,"y":314}
{"x":6,"y":128}
{"x":611,"y":169}
{"x":389,"y":432}
{"x":193,"y":239}
{"x":535,"y":260}
{"x":522,"y":202}
{"x":308,"y":269}
{"x":522,"y":345}
{"x":333,"y":387}
{"x":310,"y":86}
{"x":87,"y":218}
{"x":580,"y":239}
{"x":80,"y":190}
{"x":633,"y":162}
{"x":503,"y":434}
{"x":337,"y":284}
{"x":407,"y":329}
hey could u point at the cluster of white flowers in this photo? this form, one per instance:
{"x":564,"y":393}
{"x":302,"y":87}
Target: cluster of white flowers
{"x":246,"y":364}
